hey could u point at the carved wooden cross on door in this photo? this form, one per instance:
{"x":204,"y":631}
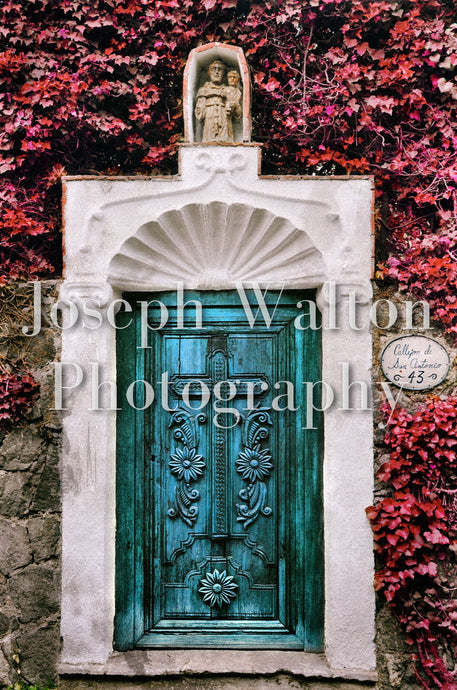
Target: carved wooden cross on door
{"x":247,"y":386}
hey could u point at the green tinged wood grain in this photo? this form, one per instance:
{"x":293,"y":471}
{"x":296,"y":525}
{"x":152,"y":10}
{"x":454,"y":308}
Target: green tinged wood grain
{"x":157,"y":599}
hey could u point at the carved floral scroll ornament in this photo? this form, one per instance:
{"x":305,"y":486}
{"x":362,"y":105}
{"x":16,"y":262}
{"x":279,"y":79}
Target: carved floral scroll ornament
{"x":253,"y":463}
{"x":186,"y":465}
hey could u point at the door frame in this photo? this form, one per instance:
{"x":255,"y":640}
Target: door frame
{"x":302,"y":565}
{"x":334,"y":217}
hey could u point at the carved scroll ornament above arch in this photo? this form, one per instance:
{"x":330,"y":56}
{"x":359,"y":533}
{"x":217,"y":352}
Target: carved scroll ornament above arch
{"x":212,"y":247}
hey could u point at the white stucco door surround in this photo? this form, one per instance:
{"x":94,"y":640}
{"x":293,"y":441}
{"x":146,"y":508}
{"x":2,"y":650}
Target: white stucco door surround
{"x":216,"y":223}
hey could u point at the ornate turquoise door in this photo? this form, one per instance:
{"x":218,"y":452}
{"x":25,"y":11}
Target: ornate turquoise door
{"x":219,"y":517}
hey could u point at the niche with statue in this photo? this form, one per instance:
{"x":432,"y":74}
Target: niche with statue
{"x":217,"y":96}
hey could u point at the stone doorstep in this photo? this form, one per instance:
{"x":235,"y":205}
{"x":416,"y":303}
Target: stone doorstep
{"x":134,"y":671}
{"x":208,"y":682}
{"x":215,"y":663}
{"x":205,"y":669}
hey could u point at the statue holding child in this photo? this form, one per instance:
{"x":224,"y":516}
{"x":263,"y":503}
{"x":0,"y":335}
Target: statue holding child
{"x":218,"y":104}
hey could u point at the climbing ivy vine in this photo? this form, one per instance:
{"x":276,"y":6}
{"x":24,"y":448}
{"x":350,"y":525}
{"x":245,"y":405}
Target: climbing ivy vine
{"x":415,"y":531}
{"x":339,"y":87}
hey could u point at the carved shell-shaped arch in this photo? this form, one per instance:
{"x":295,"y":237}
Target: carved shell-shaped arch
{"x":212,"y":246}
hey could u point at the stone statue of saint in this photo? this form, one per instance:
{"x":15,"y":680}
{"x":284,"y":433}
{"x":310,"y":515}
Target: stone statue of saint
{"x":218,"y":104}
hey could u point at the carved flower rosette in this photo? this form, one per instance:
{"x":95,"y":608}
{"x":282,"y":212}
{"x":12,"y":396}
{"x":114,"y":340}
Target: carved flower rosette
{"x":217,"y":588}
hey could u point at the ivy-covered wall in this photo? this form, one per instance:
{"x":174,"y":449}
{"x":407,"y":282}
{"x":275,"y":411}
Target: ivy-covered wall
{"x":414,"y":518}
{"x":339,"y":86}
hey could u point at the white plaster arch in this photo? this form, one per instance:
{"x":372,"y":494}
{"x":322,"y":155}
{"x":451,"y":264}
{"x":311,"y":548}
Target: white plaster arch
{"x":307,"y":233}
{"x":212,"y":247}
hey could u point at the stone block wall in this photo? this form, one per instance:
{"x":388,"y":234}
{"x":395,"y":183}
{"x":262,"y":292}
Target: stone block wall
{"x":30,"y":521}
{"x":29,"y":501}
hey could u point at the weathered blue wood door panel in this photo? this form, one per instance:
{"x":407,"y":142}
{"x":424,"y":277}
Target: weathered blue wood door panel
{"x":230,"y":541}
{"x":203,"y":526}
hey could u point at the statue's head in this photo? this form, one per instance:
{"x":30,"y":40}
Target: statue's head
{"x":216,"y":71}
{"x":233,"y":77}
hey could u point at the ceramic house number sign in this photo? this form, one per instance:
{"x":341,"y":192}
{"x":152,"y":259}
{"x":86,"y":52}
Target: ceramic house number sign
{"x":415,"y":362}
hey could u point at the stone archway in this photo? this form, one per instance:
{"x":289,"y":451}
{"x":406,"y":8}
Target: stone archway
{"x":216,"y":222}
